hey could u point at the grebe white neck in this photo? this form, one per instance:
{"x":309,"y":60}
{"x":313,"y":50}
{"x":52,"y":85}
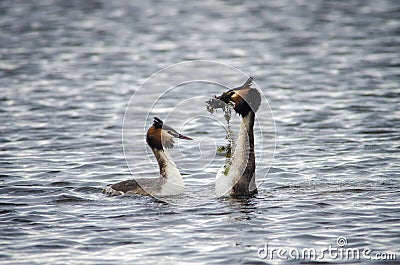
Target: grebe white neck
{"x":172,"y":179}
{"x":239,"y":178}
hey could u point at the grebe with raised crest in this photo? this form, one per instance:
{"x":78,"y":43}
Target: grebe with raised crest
{"x":239,"y":178}
{"x":170,"y":181}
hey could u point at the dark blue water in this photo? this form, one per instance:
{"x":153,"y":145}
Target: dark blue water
{"x":329,"y":69}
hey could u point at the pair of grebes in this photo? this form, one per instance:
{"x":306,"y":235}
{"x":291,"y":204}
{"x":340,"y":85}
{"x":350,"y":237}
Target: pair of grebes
{"x":238,"y":180}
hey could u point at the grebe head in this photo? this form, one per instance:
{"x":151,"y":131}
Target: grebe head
{"x":161,"y":135}
{"x":243,"y":99}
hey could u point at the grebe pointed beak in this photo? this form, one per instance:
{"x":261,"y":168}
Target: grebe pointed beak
{"x":181,"y":136}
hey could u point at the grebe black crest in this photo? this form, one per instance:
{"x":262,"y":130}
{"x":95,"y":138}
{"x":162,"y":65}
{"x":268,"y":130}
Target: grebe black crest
{"x":239,"y":178}
{"x":169,"y":182}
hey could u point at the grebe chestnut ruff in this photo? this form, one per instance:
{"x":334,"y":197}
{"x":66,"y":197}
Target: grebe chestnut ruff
{"x":170,"y":180}
{"x":239,"y":178}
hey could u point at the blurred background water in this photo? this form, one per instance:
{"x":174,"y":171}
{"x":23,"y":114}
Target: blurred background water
{"x":330,"y":71}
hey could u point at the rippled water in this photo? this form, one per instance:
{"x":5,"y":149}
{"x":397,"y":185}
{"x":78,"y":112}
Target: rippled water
{"x":330,"y":71}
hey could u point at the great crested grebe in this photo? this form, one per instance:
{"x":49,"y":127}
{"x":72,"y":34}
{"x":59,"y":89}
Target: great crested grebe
{"x":170,"y":180}
{"x":239,"y":178}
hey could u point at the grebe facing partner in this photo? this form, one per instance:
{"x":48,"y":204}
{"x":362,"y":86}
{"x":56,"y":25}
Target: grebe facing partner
{"x":239,"y":178}
{"x":170,"y":180}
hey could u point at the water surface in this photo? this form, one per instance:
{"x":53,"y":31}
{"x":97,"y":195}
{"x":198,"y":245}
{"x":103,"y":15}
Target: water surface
{"x":330,"y":70}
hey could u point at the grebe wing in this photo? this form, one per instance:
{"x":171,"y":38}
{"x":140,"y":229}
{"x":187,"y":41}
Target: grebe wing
{"x":120,"y":188}
{"x":142,"y":186}
{"x":125,"y":185}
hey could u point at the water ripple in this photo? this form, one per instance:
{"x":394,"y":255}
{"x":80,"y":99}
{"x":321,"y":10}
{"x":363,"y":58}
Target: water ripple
{"x":68,"y":68}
